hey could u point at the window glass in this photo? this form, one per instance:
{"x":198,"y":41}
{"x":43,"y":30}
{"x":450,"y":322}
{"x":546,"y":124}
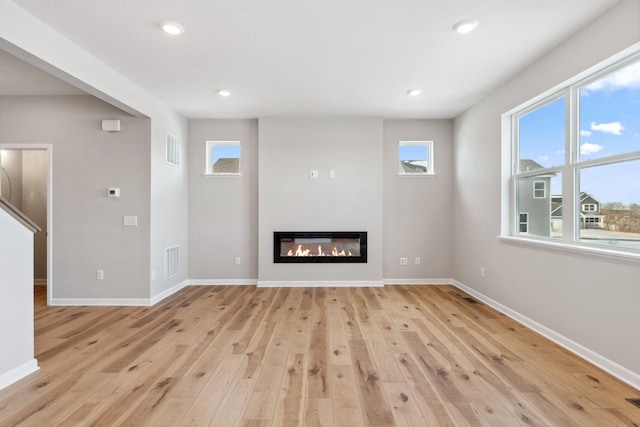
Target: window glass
{"x":610,"y":204}
{"x":223,"y":157}
{"x":610,"y":114}
{"x":523,"y":222}
{"x":541,"y":136}
{"x":415,"y":158}
{"x":539,"y":189}
{"x":544,"y":212}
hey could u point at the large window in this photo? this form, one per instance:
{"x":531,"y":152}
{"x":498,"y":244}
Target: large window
{"x":589,"y":133}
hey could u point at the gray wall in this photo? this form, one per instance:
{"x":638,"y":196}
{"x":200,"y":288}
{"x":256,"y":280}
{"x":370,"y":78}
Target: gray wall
{"x":589,"y":299}
{"x":223,"y":211}
{"x":291,"y":201}
{"x":88,"y":232}
{"x":417,"y":209}
{"x":34,"y":205}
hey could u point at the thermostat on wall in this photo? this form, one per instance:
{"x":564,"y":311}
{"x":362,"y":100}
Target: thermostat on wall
{"x":114,"y":192}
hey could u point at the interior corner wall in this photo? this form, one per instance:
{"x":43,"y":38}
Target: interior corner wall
{"x":289,"y":200}
{"x":169,"y":204}
{"x":88,"y":231}
{"x":590,"y":300}
{"x":417,"y":219}
{"x":223,"y":210}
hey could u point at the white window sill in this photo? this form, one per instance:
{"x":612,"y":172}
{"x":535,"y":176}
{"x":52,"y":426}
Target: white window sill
{"x":221,"y":175}
{"x":581,"y":249}
{"x":417,"y":175}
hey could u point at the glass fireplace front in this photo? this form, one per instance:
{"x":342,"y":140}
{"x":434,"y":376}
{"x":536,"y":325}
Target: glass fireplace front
{"x":319,"y":247}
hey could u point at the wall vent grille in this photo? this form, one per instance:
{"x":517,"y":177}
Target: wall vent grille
{"x":173,"y":150}
{"x":171,"y":261}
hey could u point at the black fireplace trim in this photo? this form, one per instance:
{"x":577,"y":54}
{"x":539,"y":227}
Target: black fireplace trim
{"x":278,"y":235}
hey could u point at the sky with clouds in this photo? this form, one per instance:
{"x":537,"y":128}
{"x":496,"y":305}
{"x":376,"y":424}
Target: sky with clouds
{"x":609,"y":125}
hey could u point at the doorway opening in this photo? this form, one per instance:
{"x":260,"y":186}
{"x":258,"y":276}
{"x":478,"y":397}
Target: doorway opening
{"x":26,"y":182}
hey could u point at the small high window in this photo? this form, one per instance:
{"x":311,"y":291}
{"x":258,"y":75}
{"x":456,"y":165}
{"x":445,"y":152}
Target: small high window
{"x":223,"y":158}
{"x":415,"y":158}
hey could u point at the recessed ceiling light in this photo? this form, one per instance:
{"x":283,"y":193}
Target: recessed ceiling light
{"x":465,"y":26}
{"x":224,"y":92}
{"x":414,"y":92}
{"x":172,"y":27}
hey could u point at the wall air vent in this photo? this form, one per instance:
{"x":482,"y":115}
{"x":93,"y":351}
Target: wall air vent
{"x":171,"y":261}
{"x":173,"y":150}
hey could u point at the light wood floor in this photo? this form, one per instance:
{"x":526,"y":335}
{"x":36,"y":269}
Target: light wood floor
{"x":241,"y":355}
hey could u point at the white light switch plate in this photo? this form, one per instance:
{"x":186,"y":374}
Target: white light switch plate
{"x":130,"y":220}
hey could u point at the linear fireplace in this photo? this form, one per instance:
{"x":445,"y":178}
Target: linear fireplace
{"x":319,"y":246}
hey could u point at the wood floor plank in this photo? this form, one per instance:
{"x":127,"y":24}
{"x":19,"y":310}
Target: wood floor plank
{"x":82,"y":415}
{"x":318,"y":371}
{"x":403,"y":405}
{"x":212,"y":391}
{"x":347,"y":410}
{"x":292,"y":396}
{"x":432,"y":406}
{"x":233,"y":406}
{"x":372,"y":396}
{"x":318,"y":413}
{"x":264,"y":398}
{"x":258,"y":357}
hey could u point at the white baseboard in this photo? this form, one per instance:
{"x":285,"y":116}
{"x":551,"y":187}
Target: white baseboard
{"x":320,"y":283}
{"x":222,"y":282}
{"x":164,"y":294}
{"x":618,"y":371}
{"x":101,"y":301}
{"x":418,"y":281}
{"x":18,"y":373}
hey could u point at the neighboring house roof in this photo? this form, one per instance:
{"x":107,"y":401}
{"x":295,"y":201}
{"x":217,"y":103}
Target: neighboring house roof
{"x":529,"y":165}
{"x":224,"y":165}
{"x":556,"y":205}
{"x":588,"y":198}
{"x":413,"y":166}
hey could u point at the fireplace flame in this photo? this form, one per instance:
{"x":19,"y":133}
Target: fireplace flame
{"x":302,"y":251}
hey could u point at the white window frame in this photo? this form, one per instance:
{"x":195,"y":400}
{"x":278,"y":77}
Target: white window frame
{"x":570,"y":170}
{"x":430,"y":158}
{"x":208,"y":164}
{"x":588,"y":207}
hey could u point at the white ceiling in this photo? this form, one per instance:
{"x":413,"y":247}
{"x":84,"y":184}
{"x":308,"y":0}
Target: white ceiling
{"x":317,"y":57}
